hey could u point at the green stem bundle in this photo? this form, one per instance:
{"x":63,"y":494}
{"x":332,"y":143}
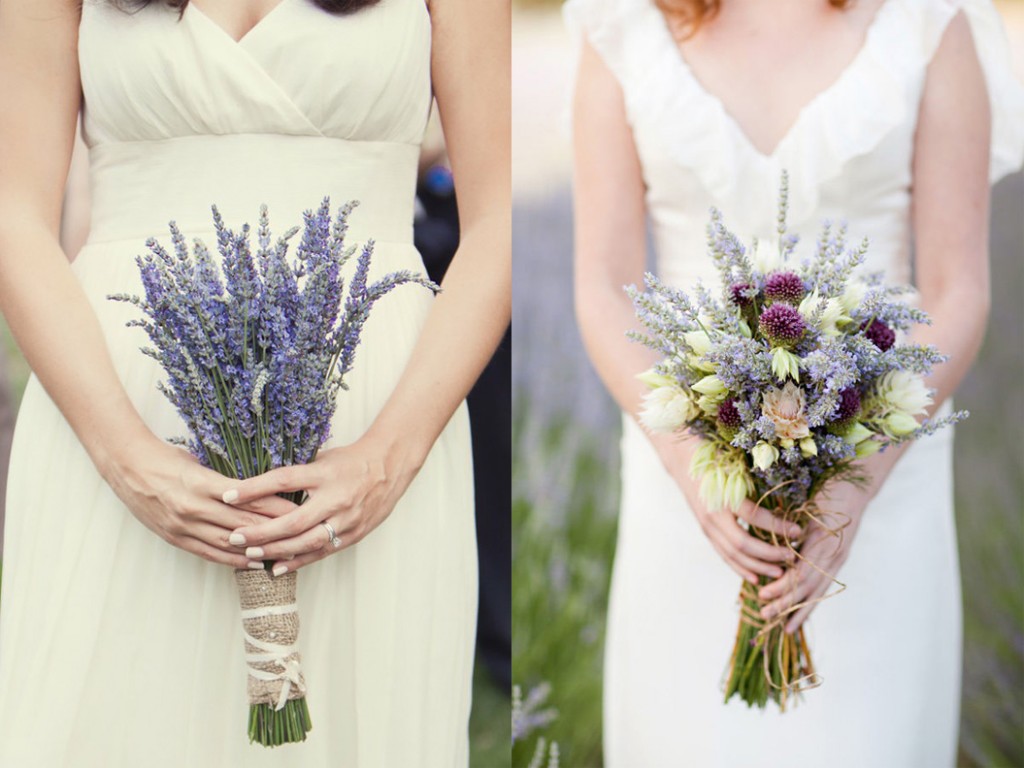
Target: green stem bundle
{"x":272,"y":728}
{"x":767,"y":662}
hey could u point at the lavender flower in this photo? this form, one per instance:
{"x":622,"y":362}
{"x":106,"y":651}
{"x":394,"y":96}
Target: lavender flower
{"x":256,"y":345}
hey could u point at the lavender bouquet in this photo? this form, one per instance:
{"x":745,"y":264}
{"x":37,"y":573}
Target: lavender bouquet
{"x":255,"y":347}
{"x":789,"y":376}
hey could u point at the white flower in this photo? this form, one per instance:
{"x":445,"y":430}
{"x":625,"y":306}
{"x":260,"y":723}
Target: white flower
{"x":724,"y":478}
{"x":785,"y":407}
{"x":667,"y":408}
{"x":904,"y":391}
{"x":833,"y":312}
{"x":853,"y":296}
{"x":767,"y":258}
{"x":808,"y":447}
{"x":698,"y":341}
{"x":764,"y":455}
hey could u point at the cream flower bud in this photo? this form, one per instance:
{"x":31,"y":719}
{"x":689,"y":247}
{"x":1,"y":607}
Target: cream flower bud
{"x":653,"y":379}
{"x":808,"y":447}
{"x":711,"y":386}
{"x":764,"y":455}
{"x":736,"y":489}
{"x":857,"y":433}
{"x":867,"y":448}
{"x":785,"y":364}
{"x":712,"y":488}
{"x":900,"y":424}
{"x":766,"y":256}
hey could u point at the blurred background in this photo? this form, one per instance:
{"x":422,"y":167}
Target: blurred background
{"x":566,"y":431}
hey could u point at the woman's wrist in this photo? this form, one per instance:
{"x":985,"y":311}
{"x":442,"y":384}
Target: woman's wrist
{"x":116,"y":454}
{"x":403,"y":453}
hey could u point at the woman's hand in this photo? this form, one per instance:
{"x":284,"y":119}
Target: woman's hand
{"x":823,"y":553}
{"x":181,"y":501}
{"x":741,"y":551}
{"x":352,"y":488}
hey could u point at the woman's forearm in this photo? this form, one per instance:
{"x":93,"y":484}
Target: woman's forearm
{"x":605,"y":315}
{"x":465,"y":324}
{"x":959,"y":317}
{"x":58,"y":332}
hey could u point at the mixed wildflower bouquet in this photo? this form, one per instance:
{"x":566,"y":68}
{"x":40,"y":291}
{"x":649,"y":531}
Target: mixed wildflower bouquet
{"x":255,"y":347}
{"x":789,"y":376}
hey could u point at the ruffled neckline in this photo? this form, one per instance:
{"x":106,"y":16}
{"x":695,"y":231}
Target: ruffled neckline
{"x":831,"y":129}
{"x":686,"y":71}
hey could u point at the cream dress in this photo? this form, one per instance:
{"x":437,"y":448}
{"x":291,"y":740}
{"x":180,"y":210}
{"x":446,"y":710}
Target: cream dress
{"x":888,"y":648}
{"x":117,"y":649}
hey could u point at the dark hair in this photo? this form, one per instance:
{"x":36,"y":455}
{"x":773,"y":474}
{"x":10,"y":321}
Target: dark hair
{"x":331,"y":6}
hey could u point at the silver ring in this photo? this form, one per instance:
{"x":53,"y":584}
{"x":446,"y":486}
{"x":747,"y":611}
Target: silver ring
{"x":333,"y":540}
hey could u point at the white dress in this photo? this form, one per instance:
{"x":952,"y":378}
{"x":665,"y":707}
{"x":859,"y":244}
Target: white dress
{"x":889,"y":646}
{"x":118,"y":650}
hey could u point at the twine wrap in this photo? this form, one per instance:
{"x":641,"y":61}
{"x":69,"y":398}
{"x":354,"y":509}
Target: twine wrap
{"x":270,"y":622}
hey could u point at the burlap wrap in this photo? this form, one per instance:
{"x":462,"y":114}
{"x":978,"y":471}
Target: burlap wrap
{"x":259,"y":589}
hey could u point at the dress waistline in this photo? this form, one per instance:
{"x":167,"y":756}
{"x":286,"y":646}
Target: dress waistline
{"x":138,"y":187}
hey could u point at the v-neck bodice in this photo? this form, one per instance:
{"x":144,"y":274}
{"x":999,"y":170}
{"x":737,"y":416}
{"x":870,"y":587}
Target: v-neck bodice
{"x":265,"y":20}
{"x":300,"y":71}
{"x":179,"y":115}
{"x":849,"y":153}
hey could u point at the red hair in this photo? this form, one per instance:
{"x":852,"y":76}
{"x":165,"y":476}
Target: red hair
{"x":686,"y":16}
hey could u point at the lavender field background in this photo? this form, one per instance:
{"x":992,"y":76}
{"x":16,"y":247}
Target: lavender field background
{"x":566,"y":433}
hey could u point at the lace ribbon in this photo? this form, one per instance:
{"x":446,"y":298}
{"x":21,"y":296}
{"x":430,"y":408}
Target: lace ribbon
{"x":283,"y":656}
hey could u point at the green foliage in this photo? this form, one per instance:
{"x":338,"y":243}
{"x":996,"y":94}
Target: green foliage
{"x":489,"y":726}
{"x":564,"y":537}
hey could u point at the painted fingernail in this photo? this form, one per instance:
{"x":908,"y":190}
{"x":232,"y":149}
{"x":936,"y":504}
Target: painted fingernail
{"x":236,"y":540}
{"x":254,"y":552}
{"x":776,"y":572}
{"x":230,"y":496}
{"x":280,"y":569}
{"x":256,"y":565}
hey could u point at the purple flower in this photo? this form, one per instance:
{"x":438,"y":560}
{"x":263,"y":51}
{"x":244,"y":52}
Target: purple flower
{"x":782,"y":324}
{"x":742,"y":294}
{"x":879,"y":334}
{"x":848,"y":407}
{"x":255,"y":346}
{"x":785,"y":287}
{"x":728,"y":414}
